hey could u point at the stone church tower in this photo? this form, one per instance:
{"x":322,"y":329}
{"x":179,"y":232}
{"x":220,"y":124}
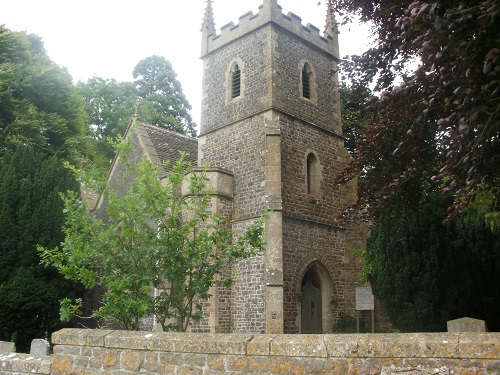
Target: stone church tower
{"x":271,"y":131}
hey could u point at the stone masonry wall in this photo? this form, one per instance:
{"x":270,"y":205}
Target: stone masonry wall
{"x":20,"y":364}
{"x":122,"y":352}
{"x":307,"y":242}
{"x":240,"y":148}
{"x":252,"y":54}
{"x":289,"y":55}
{"x":298,"y":140}
{"x":310,"y":232}
{"x":248,"y":300}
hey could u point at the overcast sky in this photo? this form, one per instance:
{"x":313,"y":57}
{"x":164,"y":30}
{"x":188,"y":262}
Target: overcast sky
{"x":107,"y":38}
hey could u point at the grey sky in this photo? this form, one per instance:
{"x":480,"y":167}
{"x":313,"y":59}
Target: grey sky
{"x":107,"y":38}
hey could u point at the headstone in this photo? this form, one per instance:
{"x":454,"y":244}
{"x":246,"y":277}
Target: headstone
{"x":7,"y":347}
{"x":39,"y":347}
{"x":466,"y":325}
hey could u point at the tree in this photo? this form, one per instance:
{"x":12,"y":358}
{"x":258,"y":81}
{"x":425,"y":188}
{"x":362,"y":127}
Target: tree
{"x":153,"y":238}
{"x":355,"y":116}
{"x":39,"y":105}
{"x":30,"y":214}
{"x":441,"y":122}
{"x":164,"y":103}
{"x":426,"y":273}
{"x":109,"y":106}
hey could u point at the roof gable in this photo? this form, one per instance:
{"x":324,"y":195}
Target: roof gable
{"x":163,"y":146}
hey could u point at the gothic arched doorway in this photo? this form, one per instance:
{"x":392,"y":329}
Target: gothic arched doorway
{"x":311,"y":306}
{"x":315,"y":301}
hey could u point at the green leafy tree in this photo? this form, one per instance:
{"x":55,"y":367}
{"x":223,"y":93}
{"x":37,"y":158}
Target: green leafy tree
{"x":109,"y":106}
{"x":152,"y":238}
{"x":31,"y":213}
{"x":426,"y":273}
{"x":39,"y":105}
{"x":164,"y":103}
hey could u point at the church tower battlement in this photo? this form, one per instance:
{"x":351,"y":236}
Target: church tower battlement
{"x":269,"y":11}
{"x":280,"y":63}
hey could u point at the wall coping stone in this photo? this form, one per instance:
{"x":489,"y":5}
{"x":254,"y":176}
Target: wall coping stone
{"x":397,"y":345}
{"x":25,"y":364}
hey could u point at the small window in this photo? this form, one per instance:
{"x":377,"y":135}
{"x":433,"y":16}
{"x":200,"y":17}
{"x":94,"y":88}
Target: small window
{"x":306,"y":81}
{"x":312,"y":174}
{"x":235,"y":82}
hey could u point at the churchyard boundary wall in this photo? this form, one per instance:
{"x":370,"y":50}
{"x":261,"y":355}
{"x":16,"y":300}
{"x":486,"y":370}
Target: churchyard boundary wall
{"x":94,"y":352}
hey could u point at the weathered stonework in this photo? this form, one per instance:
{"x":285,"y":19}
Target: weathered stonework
{"x":264,"y":136}
{"x":100,"y":352}
{"x":18,"y":364}
{"x":125,"y":352}
{"x":270,"y":135}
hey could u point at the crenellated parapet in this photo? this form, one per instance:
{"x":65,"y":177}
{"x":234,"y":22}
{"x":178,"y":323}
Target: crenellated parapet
{"x":270,"y":12}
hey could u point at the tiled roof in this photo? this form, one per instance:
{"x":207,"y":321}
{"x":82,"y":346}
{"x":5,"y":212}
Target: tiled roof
{"x":167,"y":144}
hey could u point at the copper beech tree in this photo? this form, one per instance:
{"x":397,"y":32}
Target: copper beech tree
{"x":436,"y":121}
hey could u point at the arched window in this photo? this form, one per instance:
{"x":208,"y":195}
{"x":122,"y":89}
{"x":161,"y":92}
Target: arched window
{"x":235,"y":81}
{"x":306,"y":81}
{"x":312,"y":174}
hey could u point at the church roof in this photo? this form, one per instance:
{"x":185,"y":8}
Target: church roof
{"x":164,"y":146}
{"x":159,"y":145}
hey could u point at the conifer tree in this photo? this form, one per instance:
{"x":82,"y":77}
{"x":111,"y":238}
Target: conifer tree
{"x":426,"y":273}
{"x":31,"y":213}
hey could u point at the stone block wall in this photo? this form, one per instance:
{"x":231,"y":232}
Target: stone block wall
{"x":124,"y":352}
{"x":240,"y":148}
{"x":308,"y":242}
{"x":252,"y":53}
{"x":18,"y":364}
{"x":289,"y":55}
{"x":298,"y":140}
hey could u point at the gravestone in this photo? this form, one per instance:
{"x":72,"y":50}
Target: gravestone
{"x":39,"y":347}
{"x":466,"y":325}
{"x":7,"y":347}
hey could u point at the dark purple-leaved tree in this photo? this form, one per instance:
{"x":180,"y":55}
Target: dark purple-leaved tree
{"x":436,"y":121}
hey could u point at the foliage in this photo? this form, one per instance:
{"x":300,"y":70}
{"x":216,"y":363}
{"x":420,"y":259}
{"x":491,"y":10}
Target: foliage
{"x":441,"y":122}
{"x":109,"y":106}
{"x":39,"y":105}
{"x":30,"y":213}
{"x":426,"y":273}
{"x":355,"y":117}
{"x":156,"y":94}
{"x":164,"y":103}
{"x":152,"y":237}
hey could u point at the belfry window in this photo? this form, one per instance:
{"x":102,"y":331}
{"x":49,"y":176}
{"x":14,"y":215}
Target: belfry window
{"x":235,"y":81}
{"x":312,"y":177}
{"x":306,"y":81}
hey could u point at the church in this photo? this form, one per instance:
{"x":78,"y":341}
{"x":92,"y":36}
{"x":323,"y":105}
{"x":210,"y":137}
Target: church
{"x":271,"y":132}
